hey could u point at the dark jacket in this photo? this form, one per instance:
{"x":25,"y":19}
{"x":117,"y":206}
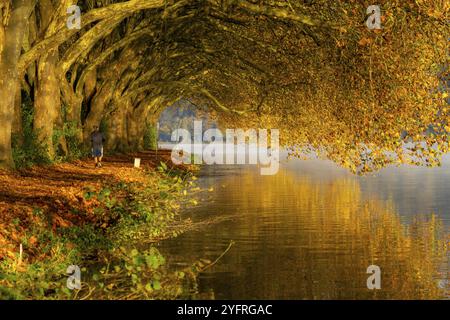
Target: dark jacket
{"x":97,"y":139}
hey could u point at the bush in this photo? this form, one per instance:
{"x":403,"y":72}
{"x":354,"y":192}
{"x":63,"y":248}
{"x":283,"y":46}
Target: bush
{"x":74,"y":145}
{"x":26,"y":148}
{"x":150,"y":137}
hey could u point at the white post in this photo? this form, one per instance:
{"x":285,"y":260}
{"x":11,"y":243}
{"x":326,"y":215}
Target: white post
{"x":20,"y":254}
{"x":137,"y":162}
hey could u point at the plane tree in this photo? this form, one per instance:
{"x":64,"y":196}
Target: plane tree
{"x":311,"y":68}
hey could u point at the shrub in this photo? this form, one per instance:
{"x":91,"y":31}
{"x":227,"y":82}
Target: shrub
{"x":26,"y":148}
{"x":74,"y":145}
{"x":150,"y":137}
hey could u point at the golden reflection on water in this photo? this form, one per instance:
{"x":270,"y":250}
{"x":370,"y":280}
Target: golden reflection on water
{"x":302,"y":239}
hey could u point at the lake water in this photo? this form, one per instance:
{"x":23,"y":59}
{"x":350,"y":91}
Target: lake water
{"x":312,"y":230}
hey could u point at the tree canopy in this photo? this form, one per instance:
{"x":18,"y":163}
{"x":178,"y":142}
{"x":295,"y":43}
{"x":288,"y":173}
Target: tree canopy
{"x":311,"y":68}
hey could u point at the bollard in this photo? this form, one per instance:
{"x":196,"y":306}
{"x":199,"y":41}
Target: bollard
{"x":137,"y":162}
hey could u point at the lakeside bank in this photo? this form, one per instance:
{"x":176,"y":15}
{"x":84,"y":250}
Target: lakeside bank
{"x":95,"y":219}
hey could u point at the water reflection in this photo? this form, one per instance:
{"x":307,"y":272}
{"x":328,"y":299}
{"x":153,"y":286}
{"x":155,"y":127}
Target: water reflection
{"x":302,"y":237}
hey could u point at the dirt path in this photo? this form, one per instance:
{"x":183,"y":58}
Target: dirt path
{"x":57,"y":190}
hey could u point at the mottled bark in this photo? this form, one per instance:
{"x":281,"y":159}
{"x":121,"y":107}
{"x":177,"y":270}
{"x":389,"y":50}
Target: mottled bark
{"x":17,"y":129}
{"x":139,"y":119}
{"x":73,"y":102}
{"x":47,"y":102}
{"x":122,"y":144}
{"x":98,"y":104}
{"x":116,"y":135}
{"x":13,"y":34}
{"x":135,"y":131}
{"x":90,"y":84}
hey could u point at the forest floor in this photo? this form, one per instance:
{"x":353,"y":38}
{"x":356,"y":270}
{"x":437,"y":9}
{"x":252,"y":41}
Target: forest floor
{"x":67,"y":213}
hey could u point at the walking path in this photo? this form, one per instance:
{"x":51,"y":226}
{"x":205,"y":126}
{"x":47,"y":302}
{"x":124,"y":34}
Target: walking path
{"x":57,"y":191}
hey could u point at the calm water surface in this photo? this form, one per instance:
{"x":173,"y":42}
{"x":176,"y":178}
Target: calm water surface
{"x":311,"y":231}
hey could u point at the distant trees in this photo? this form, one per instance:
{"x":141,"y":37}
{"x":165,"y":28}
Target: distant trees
{"x":310,"y":68}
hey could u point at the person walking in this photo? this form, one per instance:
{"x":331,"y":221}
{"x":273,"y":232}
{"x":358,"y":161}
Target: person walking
{"x":97,"y":140}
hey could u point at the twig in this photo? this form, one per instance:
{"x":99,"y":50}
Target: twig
{"x":220,"y":257}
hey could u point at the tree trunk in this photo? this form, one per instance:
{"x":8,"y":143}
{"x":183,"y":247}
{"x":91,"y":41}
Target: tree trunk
{"x":9,"y":78}
{"x":47,"y":102}
{"x":73,"y":101}
{"x":62,"y":142}
{"x":137,"y":126}
{"x":116,"y":139}
{"x":122,"y":142}
{"x":98,"y":104}
{"x":132,"y":131}
{"x":17,"y":127}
